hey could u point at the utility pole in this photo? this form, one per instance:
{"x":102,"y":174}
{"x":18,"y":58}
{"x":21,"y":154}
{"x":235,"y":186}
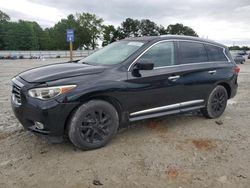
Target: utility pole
{"x":71,"y":51}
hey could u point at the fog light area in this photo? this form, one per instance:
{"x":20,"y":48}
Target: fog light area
{"x":39,"y":125}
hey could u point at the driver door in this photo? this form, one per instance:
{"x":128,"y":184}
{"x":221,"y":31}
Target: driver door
{"x":158,"y":87}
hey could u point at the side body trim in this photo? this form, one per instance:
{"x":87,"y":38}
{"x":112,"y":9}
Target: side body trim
{"x":167,"y":107}
{"x":136,"y":118}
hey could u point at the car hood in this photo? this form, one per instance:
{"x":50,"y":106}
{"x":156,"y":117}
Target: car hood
{"x":59,"y":71}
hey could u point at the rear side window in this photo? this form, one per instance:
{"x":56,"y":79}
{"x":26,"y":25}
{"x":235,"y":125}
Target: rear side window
{"x":215,"y":53}
{"x":192,"y":52}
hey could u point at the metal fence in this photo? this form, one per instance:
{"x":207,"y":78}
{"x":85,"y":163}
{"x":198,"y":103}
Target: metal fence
{"x":44,"y":54}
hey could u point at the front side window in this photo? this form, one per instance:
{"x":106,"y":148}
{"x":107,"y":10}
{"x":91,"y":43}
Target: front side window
{"x":114,"y":53}
{"x":192,"y":52}
{"x":215,"y":53}
{"x":161,"y":54}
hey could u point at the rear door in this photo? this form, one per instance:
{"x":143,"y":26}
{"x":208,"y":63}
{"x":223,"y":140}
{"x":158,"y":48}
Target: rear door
{"x":200,"y":70}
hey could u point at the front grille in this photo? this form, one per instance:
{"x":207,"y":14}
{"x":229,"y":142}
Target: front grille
{"x":16,"y":93}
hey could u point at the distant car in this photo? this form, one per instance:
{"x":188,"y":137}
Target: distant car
{"x":34,"y":57}
{"x":242,"y":53}
{"x":239,"y":59}
{"x":248,"y":57}
{"x":13,"y":57}
{"x":7,"y":57}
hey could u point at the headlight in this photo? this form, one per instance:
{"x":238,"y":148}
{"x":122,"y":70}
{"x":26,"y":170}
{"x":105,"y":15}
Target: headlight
{"x":49,"y":92}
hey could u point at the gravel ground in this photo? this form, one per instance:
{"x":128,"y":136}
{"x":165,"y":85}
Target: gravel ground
{"x":176,"y":151}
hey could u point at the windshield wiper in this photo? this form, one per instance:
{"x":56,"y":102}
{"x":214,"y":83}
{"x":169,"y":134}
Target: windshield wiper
{"x":85,"y":63}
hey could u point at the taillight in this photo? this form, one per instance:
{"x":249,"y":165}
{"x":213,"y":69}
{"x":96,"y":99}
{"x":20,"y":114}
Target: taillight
{"x":236,"y":69}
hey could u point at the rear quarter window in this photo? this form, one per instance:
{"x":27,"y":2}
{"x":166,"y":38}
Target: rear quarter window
{"x":215,"y":53}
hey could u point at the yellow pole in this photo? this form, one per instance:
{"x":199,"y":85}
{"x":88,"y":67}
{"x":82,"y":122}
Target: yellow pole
{"x":71,"y":51}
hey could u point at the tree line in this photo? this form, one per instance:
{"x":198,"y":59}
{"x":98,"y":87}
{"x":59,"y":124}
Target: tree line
{"x":243,"y":48}
{"x":88,"y":29}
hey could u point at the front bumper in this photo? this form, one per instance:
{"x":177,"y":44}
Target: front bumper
{"x":53,"y":117}
{"x":52,"y":114}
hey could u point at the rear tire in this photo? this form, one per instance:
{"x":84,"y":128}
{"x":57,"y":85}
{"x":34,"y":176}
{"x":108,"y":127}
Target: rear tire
{"x":93,"y":125}
{"x":216,"y":103}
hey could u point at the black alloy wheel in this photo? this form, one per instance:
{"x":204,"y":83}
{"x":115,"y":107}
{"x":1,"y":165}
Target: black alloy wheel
{"x":93,"y":125}
{"x":217,"y":102}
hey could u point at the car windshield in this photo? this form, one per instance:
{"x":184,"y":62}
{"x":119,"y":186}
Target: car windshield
{"x":113,"y":54}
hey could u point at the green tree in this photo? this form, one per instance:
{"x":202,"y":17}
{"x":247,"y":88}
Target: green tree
{"x":19,"y":36}
{"x":130,"y":28}
{"x":25,"y":37}
{"x":148,"y":28}
{"x":90,"y":29}
{"x":180,"y":29}
{"x":4,"y":16}
{"x":162,"y":30}
{"x":109,"y":34}
{"x":2,"y":36}
{"x":47,"y":41}
{"x":7,"y":35}
{"x":245,"y":48}
{"x":119,"y":34}
{"x":234,"y":48}
{"x":40,"y":37}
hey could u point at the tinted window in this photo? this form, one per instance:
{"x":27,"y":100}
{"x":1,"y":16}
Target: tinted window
{"x":192,"y":52}
{"x":161,"y":54}
{"x":215,"y":53}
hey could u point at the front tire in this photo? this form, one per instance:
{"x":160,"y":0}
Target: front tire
{"x":216,"y":103}
{"x":93,"y":125}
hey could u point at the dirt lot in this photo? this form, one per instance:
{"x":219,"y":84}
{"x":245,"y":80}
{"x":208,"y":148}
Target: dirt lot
{"x":177,"y":151}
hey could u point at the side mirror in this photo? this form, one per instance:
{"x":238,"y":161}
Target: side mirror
{"x":142,"y":65}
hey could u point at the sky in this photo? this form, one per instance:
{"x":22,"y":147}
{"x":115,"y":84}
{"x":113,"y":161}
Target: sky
{"x":224,"y":21}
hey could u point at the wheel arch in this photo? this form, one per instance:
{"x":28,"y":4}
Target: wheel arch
{"x":123,"y":118}
{"x":227,"y":87}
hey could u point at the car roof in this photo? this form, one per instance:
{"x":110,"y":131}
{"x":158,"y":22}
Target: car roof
{"x":174,"y":37}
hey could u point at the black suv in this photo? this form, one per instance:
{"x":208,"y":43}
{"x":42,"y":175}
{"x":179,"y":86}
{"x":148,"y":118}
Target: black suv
{"x":129,"y":80}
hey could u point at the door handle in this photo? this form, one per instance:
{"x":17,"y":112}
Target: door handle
{"x":173,"y":78}
{"x":212,"y":72}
